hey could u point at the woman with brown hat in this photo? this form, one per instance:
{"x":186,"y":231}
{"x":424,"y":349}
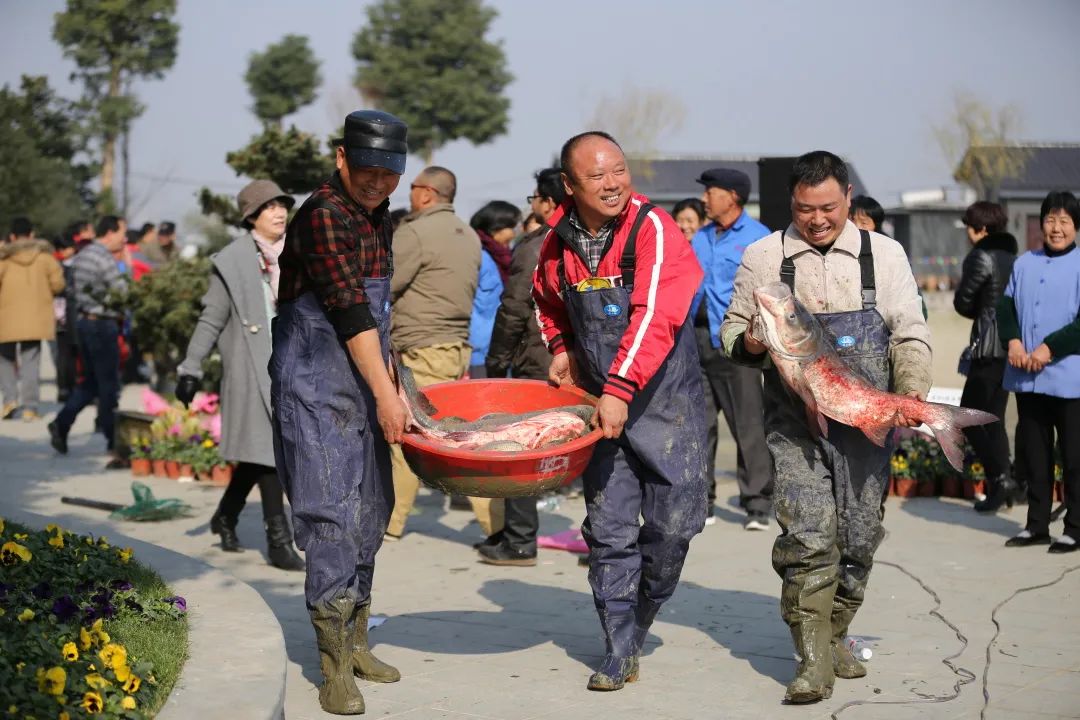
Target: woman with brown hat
{"x":237,"y":310}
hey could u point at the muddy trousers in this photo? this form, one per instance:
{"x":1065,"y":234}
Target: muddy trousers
{"x":829,"y":529}
{"x":638,"y":527}
{"x":445,"y":362}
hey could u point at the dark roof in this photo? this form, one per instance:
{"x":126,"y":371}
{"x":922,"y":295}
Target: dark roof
{"x":1046,"y":167}
{"x":673,"y":178}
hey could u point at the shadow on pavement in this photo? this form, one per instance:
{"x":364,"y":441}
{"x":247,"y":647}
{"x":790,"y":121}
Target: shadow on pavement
{"x":959,"y":512}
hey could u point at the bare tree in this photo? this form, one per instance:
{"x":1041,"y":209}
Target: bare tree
{"x":979,"y":143}
{"x":638,"y":118}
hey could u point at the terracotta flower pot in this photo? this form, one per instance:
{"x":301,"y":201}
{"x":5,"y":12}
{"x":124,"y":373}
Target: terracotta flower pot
{"x":187,"y":472}
{"x":1059,"y":491}
{"x":158,"y":468}
{"x":172,"y":469}
{"x":906,"y":487}
{"x":952,"y":486}
{"x":221,"y":474}
{"x":927,"y":488}
{"x":140,"y":467}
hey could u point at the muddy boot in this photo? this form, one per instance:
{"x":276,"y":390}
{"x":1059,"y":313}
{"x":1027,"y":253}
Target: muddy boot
{"x":845,"y":665}
{"x":225,"y":526}
{"x":814,"y":677}
{"x":365,"y":665}
{"x":334,"y":625}
{"x":620,"y":664}
{"x":279,"y":545}
{"x":644,"y":614}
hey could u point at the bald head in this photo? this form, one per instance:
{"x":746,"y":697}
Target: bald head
{"x":433,"y":186}
{"x":596,"y":178}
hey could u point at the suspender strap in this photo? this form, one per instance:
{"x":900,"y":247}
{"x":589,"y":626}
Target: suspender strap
{"x":626,"y":262}
{"x":866,"y":268}
{"x":787,"y":268}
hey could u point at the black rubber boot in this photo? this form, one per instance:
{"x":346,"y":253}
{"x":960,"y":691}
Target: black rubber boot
{"x":334,"y":625}
{"x":1003,"y":491}
{"x":365,"y":665}
{"x":225,"y":526}
{"x":279,"y":545}
{"x":620,"y":664}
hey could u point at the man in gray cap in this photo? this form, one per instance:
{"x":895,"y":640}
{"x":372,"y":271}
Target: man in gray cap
{"x":733,"y":389}
{"x":335,"y":406}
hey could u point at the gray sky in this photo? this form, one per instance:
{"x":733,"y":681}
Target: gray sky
{"x":864,"y":78}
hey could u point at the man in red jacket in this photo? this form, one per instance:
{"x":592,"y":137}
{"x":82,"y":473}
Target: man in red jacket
{"x":613,"y":290}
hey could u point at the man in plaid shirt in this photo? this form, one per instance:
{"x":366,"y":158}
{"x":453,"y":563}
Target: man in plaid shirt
{"x":335,"y":407}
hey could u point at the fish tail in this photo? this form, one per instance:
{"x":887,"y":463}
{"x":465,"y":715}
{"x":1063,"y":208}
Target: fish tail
{"x":948,"y":424}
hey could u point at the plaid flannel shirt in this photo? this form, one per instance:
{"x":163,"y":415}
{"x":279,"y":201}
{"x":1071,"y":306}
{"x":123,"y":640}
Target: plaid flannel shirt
{"x":592,"y":245}
{"x":331,"y":245}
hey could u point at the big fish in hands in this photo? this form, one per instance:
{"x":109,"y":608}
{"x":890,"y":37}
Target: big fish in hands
{"x":499,"y":432}
{"x":829,"y":388}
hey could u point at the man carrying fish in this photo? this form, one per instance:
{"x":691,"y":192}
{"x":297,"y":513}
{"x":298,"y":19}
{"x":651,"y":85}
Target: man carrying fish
{"x":335,"y":405}
{"x":613,"y":290}
{"x":830,"y":477}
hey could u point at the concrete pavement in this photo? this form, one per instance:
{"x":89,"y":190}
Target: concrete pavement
{"x":476,"y":641}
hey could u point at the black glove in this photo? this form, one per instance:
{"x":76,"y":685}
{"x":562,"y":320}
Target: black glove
{"x":186,"y":387}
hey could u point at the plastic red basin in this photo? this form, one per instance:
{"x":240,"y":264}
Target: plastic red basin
{"x":499,"y":474}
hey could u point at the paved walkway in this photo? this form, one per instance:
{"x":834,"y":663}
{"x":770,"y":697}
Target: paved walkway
{"x":476,"y":641}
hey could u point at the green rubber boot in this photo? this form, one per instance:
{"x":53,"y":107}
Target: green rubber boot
{"x":334,"y":633}
{"x":365,"y":665}
{"x":814,"y":677}
{"x":845,"y":665}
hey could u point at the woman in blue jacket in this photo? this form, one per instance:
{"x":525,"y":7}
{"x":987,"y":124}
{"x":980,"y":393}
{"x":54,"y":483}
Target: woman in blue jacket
{"x":496,"y":224}
{"x":1039,"y":322}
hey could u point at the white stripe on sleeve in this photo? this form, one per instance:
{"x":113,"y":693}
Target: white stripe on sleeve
{"x":650,"y":305}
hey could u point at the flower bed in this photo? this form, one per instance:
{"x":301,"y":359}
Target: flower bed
{"x":84,"y":631}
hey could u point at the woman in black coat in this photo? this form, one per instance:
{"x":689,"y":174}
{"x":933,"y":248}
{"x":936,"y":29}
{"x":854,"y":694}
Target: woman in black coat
{"x":984,"y":275}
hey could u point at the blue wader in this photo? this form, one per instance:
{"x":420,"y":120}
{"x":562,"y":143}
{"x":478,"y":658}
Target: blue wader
{"x":331,"y":455}
{"x":829,"y":491}
{"x":655,"y":470}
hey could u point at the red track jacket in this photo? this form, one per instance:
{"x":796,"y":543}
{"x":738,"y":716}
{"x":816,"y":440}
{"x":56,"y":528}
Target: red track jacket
{"x":666,"y":276}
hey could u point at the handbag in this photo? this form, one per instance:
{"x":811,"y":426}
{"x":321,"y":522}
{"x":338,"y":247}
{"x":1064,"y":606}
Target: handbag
{"x":963,"y":366}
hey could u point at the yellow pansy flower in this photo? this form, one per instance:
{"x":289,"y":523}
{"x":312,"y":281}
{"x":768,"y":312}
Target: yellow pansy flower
{"x":92,"y":703}
{"x":85,"y":641}
{"x":19,"y":666}
{"x":12,"y":553}
{"x":53,"y":528}
{"x":128,"y":703}
{"x":57,"y":541}
{"x":96,"y":681}
{"x":63,"y":715}
{"x":1,"y":524}
{"x":20,"y":536}
{"x":208,"y":443}
{"x":70,"y":652}
{"x":2,"y":612}
{"x":52,"y":681}
{"x":101,"y":636}
{"x":122,"y":673}
{"x":103,"y":542}
{"x":131,"y":685}
{"x":125,"y":555}
{"x":113,"y":655}
{"x":88,"y":540}
{"x":26,"y":615}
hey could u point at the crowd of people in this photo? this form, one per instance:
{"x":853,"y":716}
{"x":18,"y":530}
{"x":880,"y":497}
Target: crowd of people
{"x":651,"y":312}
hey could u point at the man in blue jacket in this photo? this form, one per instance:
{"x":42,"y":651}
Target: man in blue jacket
{"x":731,"y":388}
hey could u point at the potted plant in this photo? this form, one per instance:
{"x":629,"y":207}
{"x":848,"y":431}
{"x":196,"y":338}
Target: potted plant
{"x":158,"y":451}
{"x":221,"y":473}
{"x":140,"y":457}
{"x":205,"y":457}
{"x":974,"y":480}
{"x":904,"y":483}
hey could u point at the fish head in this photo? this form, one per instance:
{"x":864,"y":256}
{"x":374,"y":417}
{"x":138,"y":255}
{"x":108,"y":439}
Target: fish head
{"x":789,"y":328}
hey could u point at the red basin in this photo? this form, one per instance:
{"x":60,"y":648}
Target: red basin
{"x":499,"y":474}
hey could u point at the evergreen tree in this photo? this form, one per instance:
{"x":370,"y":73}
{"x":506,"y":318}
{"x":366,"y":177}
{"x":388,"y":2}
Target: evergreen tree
{"x":282,"y":79}
{"x":44,"y":177}
{"x":114,"y":43}
{"x":428,"y":62}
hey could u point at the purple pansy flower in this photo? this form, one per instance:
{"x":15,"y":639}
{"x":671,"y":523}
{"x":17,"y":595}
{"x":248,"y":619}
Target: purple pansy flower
{"x":65,"y":608}
{"x":177,"y":602}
